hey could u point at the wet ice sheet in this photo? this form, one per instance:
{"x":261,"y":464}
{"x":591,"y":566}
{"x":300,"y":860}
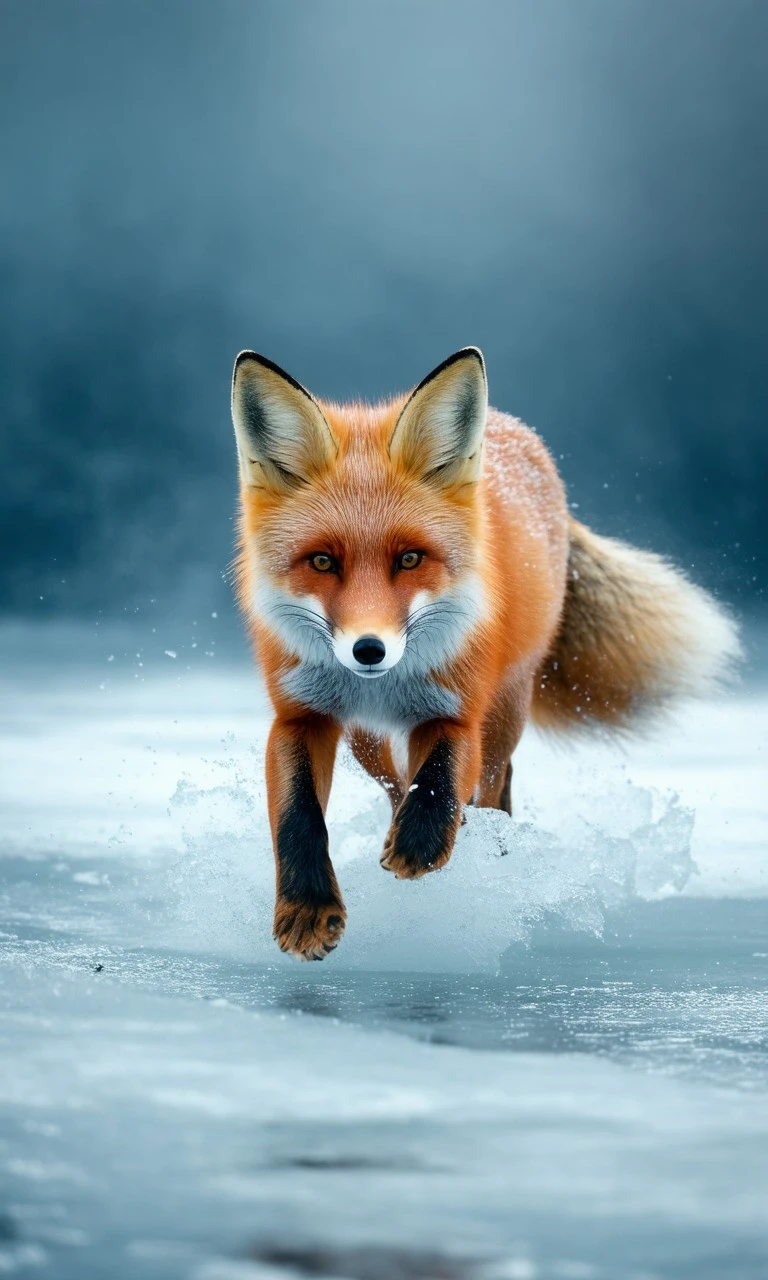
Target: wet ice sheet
{"x":149,"y":1136}
{"x":573,"y":1085}
{"x":678,"y":988}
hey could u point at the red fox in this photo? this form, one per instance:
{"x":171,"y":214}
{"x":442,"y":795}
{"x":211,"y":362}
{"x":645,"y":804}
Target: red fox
{"x":412,"y":580}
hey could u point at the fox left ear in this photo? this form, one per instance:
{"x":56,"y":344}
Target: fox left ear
{"x":283,"y":438}
{"x":439,"y":433}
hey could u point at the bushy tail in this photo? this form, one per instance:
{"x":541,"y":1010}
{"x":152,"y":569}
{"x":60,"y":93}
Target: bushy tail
{"x":634,"y":636}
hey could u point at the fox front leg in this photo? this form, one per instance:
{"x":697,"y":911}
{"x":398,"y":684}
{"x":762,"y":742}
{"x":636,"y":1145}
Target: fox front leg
{"x":309,"y":911}
{"x":444,"y":760}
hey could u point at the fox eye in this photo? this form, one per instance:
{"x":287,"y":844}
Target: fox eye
{"x":410,"y":559}
{"x":322,"y":562}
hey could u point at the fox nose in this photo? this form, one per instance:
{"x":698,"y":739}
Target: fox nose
{"x":369,"y":650}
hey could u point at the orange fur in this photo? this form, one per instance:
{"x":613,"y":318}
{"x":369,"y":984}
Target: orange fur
{"x":514,"y":535}
{"x":546,"y":617}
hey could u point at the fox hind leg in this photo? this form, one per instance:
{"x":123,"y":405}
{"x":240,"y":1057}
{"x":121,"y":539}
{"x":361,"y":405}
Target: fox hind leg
{"x":375,"y":755}
{"x":505,"y":798}
{"x":502,"y":732}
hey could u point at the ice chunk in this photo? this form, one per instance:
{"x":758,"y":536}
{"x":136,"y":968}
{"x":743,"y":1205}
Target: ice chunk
{"x":505,"y":877}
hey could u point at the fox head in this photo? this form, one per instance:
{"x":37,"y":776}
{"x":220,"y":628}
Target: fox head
{"x":359,"y":523}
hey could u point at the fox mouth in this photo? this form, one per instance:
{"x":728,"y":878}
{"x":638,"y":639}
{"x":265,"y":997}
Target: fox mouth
{"x":368,"y":673}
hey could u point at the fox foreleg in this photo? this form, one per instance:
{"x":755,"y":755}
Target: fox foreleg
{"x":444,"y":760}
{"x":309,"y":911}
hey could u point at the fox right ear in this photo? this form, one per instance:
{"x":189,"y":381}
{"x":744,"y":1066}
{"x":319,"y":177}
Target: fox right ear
{"x":439,"y":433}
{"x":283,"y":439}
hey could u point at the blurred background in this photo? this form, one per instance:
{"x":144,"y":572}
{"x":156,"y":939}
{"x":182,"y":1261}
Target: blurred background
{"x":356,"y":190}
{"x":545,"y":1066}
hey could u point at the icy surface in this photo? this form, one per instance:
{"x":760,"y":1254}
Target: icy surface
{"x":548,"y":1060}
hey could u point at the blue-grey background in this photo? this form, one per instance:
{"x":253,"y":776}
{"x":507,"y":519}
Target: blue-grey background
{"x":551,"y":1064}
{"x":356,"y":189}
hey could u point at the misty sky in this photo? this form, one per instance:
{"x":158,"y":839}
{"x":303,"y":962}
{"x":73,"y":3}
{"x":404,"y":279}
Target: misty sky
{"x":356,"y":189}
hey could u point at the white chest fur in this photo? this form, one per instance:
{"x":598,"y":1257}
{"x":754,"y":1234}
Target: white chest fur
{"x":399,"y":700}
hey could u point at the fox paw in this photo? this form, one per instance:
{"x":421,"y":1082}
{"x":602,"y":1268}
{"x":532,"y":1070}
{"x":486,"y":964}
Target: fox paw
{"x":409,"y":868}
{"x":424,"y":828}
{"x":410,"y":863}
{"x":307,"y":930}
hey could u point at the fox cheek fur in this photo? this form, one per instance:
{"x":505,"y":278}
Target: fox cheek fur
{"x":411,"y":580}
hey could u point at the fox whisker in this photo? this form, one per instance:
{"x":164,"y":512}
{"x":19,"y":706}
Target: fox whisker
{"x":299,"y":618}
{"x":422,"y":618}
{"x":299,"y":611}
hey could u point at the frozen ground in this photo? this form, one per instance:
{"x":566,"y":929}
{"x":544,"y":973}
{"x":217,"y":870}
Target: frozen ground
{"x":547,"y":1062}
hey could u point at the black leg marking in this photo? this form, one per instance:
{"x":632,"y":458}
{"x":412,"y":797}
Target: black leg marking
{"x":505,"y":799}
{"x":302,"y":842}
{"x":426,"y":821}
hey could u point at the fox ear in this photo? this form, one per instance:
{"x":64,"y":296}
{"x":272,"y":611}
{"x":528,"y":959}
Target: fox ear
{"x":439,"y":433}
{"x":282,"y":436}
